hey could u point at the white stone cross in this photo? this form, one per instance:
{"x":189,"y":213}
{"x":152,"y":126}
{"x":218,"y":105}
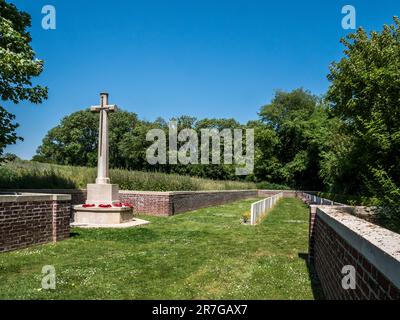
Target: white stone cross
{"x":103,"y":158}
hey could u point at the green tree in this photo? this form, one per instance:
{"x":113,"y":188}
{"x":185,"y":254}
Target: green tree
{"x":365,"y":94}
{"x":133,"y":146}
{"x":295,"y":118}
{"x":75,"y":140}
{"x":220,"y":171}
{"x":18,"y":66}
{"x":266,"y":141}
{"x":7,"y":130}
{"x":72,"y":142}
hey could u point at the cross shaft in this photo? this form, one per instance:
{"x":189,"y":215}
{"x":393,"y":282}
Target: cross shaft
{"x":103,"y":150}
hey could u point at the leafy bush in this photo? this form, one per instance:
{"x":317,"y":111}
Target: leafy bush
{"x":387,"y":213}
{"x":272,"y":186}
{"x":349,"y":200}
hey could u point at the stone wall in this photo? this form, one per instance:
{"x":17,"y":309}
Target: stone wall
{"x":341,"y":239}
{"x":30,"y":219}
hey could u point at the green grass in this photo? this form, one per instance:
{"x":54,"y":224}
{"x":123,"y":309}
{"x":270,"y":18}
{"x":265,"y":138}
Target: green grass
{"x":21,"y":174}
{"x":204,"y":254}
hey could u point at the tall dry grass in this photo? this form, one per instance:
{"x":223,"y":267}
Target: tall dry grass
{"x":33,"y":175}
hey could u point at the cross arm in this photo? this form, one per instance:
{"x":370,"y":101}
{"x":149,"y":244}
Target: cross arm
{"x":108,"y":108}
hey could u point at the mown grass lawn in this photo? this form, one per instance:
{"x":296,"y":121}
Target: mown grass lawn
{"x":204,"y":254}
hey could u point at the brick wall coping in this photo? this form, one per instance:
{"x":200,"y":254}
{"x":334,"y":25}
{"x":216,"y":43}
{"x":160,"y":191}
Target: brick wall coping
{"x":288,"y":191}
{"x":34,"y":197}
{"x":44,"y":191}
{"x":381,"y":247}
{"x":169,"y":193}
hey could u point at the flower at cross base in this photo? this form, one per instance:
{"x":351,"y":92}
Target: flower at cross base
{"x":118,"y":205}
{"x":105,"y":205}
{"x":88,"y":205}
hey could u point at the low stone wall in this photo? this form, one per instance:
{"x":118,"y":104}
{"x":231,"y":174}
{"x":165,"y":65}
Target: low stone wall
{"x":170,"y":203}
{"x":29,"y":219}
{"x":342,"y":239}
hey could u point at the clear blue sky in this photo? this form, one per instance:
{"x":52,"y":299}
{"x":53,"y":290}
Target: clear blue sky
{"x":168,"y":58}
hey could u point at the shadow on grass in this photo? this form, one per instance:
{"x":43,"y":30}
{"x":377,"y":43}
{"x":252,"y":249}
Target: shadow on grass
{"x":315,"y":283}
{"x":74,"y":234}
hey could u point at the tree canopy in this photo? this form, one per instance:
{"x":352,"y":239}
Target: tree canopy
{"x":18,"y":66}
{"x":365,"y":94}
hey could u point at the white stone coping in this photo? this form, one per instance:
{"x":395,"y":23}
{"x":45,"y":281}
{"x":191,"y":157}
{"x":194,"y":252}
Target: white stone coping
{"x":381,"y":247}
{"x":44,"y":191}
{"x":169,"y":193}
{"x":33,"y":197}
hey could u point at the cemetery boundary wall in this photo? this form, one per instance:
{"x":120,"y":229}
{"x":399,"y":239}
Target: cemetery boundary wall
{"x":30,"y":219}
{"x":168,"y":203}
{"x":346,"y":247}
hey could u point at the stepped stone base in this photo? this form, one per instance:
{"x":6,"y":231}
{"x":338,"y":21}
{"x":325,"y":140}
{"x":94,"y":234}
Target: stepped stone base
{"x":130,"y":224}
{"x":102,"y":216}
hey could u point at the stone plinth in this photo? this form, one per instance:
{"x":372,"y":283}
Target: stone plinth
{"x":130,"y":224}
{"x":102,"y":194}
{"x":102,"y":216}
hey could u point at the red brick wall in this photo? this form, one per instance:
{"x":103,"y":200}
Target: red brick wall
{"x":270,"y":193}
{"x":167,"y":203}
{"x":154,"y":203}
{"x":183,"y":202}
{"x":23,"y":224}
{"x":163,"y":203}
{"x":311,"y":233}
{"x":170,"y":203}
{"x":61,"y":220}
{"x":331,"y":253}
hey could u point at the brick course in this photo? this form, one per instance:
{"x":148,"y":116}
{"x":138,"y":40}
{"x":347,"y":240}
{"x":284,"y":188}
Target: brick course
{"x":26,"y":223}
